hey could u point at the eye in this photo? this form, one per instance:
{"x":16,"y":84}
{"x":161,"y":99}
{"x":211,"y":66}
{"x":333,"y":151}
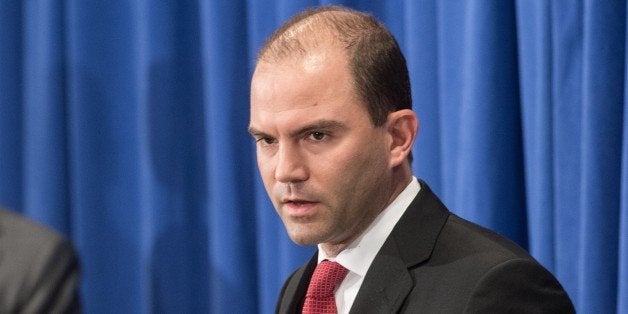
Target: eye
{"x":318,"y":136}
{"x":265,"y":140}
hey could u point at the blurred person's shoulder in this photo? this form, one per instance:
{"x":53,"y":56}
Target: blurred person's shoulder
{"x":38,"y":267}
{"x":25,"y":238}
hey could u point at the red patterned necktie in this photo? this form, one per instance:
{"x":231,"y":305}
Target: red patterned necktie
{"x":319,"y":298}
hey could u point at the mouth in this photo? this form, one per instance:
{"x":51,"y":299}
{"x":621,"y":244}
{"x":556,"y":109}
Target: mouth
{"x":299,"y":207}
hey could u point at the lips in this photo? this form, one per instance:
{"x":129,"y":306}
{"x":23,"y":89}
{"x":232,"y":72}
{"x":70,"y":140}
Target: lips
{"x":299,"y":207}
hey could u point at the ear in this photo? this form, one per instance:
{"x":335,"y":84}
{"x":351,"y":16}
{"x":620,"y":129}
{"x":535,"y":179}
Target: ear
{"x":403,"y":126}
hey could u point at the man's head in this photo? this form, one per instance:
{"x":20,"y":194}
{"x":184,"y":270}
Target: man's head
{"x":378,"y":68}
{"x":332,"y":154}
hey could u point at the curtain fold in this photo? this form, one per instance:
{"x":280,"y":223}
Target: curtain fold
{"x":602,"y":112}
{"x":124,"y":126}
{"x":11,"y":26}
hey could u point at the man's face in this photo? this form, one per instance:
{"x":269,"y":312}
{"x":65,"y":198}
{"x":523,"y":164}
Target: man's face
{"x":323,"y":163}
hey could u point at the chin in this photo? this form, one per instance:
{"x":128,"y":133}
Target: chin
{"x":304,"y":238}
{"x":303,"y":241}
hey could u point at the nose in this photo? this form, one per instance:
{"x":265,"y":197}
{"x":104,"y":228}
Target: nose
{"x":290,"y":167}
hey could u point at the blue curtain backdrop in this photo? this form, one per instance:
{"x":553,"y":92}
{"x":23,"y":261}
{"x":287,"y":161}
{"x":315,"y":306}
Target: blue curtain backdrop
{"x":123,"y":125}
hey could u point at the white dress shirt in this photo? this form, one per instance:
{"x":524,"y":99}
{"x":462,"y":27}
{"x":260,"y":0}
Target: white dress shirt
{"x":359,"y":255}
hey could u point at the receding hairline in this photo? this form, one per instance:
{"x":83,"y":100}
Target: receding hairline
{"x":313,"y":28}
{"x":376,"y":64}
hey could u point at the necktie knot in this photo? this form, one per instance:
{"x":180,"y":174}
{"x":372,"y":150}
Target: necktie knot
{"x":326,"y":277}
{"x":320,"y":293}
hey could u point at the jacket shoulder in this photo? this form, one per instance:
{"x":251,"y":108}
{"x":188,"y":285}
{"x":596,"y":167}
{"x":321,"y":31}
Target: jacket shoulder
{"x":518,"y":286}
{"x":473,"y":269}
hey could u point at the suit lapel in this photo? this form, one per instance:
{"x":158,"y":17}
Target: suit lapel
{"x":294,"y":293}
{"x":385,"y":286}
{"x":388,"y":280}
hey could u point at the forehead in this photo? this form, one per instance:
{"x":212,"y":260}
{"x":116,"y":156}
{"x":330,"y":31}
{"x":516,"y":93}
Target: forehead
{"x":315,"y":68}
{"x":319,"y":78}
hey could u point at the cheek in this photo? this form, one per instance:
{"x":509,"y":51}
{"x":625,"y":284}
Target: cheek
{"x":266,"y":170}
{"x":365,"y":165}
{"x":346,"y":165}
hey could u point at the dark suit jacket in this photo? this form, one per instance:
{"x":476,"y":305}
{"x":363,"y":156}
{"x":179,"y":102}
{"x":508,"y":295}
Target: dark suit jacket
{"x":38,"y":268}
{"x":436,"y":262}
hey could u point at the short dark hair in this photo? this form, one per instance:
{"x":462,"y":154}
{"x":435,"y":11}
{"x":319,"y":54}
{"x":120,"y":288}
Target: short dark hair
{"x":375,"y":60}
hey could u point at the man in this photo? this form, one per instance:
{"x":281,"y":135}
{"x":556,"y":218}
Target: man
{"x":331,"y":116}
{"x":38,"y":268}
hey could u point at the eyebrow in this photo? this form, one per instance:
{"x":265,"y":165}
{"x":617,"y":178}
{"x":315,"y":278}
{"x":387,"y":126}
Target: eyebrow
{"x":255,"y":132}
{"x":319,"y":125}
{"x":314,"y":126}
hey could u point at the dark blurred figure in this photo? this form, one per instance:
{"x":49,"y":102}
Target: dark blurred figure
{"x":39,"y":270}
